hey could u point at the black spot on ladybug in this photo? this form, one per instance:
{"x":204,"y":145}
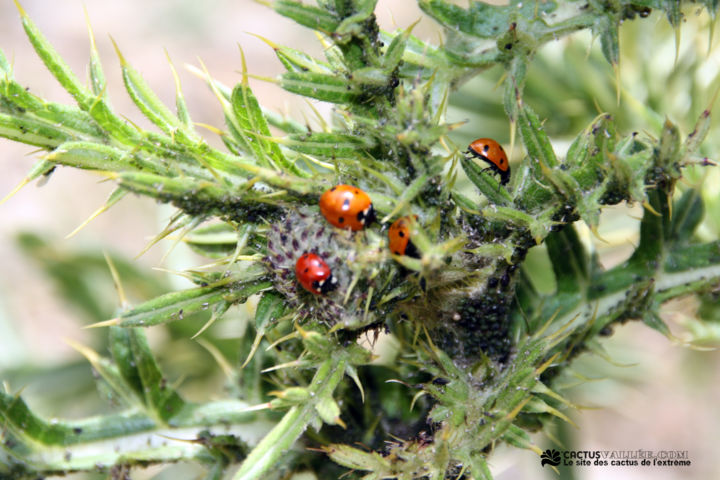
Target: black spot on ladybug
{"x":341,"y":220}
{"x":401,"y":234}
{"x":333,"y":189}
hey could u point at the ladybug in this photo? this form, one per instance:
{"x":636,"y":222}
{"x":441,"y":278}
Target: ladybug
{"x":399,"y":236}
{"x":346,"y":206}
{"x":492,"y":152}
{"x":314,"y":274}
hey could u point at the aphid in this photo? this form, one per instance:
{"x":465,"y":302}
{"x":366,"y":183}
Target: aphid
{"x":492,"y":152}
{"x":346,"y":206}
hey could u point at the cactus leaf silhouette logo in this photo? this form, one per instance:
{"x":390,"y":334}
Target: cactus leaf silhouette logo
{"x":550,"y":457}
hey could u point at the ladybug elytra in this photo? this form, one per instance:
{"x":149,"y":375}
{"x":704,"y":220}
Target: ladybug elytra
{"x":345,"y":206}
{"x":314,"y":274}
{"x":399,"y":237}
{"x":492,"y":152}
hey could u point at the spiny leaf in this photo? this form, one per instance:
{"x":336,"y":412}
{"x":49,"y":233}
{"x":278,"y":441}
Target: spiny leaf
{"x":569,"y":259}
{"x":328,"y":145}
{"x":354,"y":458}
{"x":32,"y":132}
{"x":324,"y":87}
{"x":485,"y":182}
{"x":265,"y":455}
{"x":254,"y":131}
{"x":137,"y":364}
{"x":94,"y":156}
{"x":688,"y":212}
{"x":175,"y":305}
{"x":394,"y":53}
{"x":536,"y":141}
{"x":97,"y":76}
{"x":307,"y":15}
{"x":606,"y":27}
{"x":146,"y":100}
{"x":88,"y":101}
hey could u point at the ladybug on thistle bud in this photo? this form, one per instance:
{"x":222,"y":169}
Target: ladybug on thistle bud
{"x":491,"y":152}
{"x":314,"y":274}
{"x":345,"y":206}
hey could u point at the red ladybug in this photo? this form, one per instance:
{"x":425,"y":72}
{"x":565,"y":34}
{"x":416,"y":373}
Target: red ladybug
{"x":346,"y":206}
{"x":314,"y":274}
{"x":492,"y":152}
{"x":399,"y":236}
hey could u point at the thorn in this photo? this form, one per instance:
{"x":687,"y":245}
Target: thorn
{"x":617,"y":83}
{"x":546,"y":364}
{"x":323,"y":40}
{"x":649,"y":207}
{"x":173,"y":71}
{"x":116,"y":280}
{"x":218,"y":356}
{"x":596,"y":233}
{"x":339,"y":421}
{"x":211,"y":82}
{"x":170,"y":228}
{"x":107,"y":323}
{"x":87,"y":352}
{"x":21,"y":10}
{"x":294,"y":363}
{"x":211,"y":128}
{"x":92,"y":217}
{"x":191,"y":225}
{"x":253,"y":349}
{"x":244,"y":67}
{"x":207,"y":325}
{"x":264,"y":79}
{"x":254,"y":408}
{"x":411,"y":27}
{"x":123,"y":63}
{"x":93,"y":46}
{"x":270,"y":43}
{"x":282,"y":339}
{"x":416,"y":397}
{"x":515,"y":411}
{"x":20,"y":185}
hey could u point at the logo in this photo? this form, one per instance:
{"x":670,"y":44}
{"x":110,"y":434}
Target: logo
{"x":550,"y":457}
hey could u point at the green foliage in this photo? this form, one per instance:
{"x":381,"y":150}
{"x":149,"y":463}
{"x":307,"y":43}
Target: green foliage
{"x":475,"y":348}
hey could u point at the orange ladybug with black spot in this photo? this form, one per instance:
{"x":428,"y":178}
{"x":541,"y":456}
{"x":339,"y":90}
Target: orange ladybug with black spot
{"x":399,"y":237}
{"x":491,"y":152}
{"x":346,"y":206}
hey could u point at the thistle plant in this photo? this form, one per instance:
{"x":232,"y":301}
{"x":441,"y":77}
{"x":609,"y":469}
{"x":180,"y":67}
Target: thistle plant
{"x":476,"y":349}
